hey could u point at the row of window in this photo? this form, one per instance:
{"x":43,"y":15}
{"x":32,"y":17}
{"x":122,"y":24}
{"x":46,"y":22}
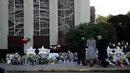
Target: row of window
{"x":15,"y":1}
{"x":41,"y":16}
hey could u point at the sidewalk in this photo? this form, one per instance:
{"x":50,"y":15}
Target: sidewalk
{"x":67,"y":67}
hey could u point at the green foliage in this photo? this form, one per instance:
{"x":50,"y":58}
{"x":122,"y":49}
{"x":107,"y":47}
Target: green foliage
{"x":100,"y":19}
{"x":92,"y":30}
{"x":74,"y":34}
{"x":128,"y":13}
{"x":88,"y":29}
{"x":109,"y":31}
{"x":103,"y":19}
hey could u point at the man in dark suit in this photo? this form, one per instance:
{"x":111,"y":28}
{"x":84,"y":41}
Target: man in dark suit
{"x":102,"y":50}
{"x":81,"y":50}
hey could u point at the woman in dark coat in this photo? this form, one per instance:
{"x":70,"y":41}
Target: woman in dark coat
{"x":102,"y":50}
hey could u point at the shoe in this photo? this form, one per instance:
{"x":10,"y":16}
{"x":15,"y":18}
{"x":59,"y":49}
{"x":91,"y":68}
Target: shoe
{"x":122,"y":65}
{"x":81,"y":64}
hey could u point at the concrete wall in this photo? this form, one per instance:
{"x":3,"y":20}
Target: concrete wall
{"x":77,"y":12}
{"x":3,"y":24}
{"x":53,"y":22}
{"x":82,"y":14}
{"x":28,"y":22}
{"x":85,"y":10}
{"x":82,"y":11}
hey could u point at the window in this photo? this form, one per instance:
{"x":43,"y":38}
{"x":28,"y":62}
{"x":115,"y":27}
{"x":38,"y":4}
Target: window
{"x":65,"y":15}
{"x":41,"y":17}
{"x":16,"y":17}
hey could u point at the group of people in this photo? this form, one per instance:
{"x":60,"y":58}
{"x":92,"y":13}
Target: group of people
{"x":90,"y":51}
{"x":123,"y":45}
{"x":94,"y":47}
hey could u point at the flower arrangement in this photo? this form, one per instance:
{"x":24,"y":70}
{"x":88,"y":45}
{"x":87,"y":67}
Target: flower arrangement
{"x":55,"y":47}
{"x":31,"y":59}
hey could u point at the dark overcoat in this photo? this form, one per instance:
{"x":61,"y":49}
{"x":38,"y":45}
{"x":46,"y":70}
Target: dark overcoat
{"x":102,"y":49}
{"x":81,"y":48}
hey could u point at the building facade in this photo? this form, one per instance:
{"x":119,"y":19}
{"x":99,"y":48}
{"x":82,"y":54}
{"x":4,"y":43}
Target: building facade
{"x":46,"y":21}
{"x":92,"y":14}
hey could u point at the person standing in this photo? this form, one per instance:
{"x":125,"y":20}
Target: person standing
{"x":102,"y":50}
{"x":91,"y":50}
{"x":81,"y":51}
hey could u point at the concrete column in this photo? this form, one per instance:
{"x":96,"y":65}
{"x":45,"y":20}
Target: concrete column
{"x":28,"y":22}
{"x":0,"y":24}
{"x":53,"y":22}
{"x":85,"y":10}
{"x":77,"y":11}
{"x":3,"y":24}
{"x":82,"y":11}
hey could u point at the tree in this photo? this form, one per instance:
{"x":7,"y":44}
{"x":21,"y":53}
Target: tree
{"x":100,"y":19}
{"x":109,"y":16}
{"x":88,"y":29}
{"x":74,"y":34}
{"x":109,"y":31}
{"x":128,"y":13}
{"x":121,"y":24}
{"x":103,"y":19}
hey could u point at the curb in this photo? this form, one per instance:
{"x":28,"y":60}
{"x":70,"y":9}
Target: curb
{"x":75,"y":70}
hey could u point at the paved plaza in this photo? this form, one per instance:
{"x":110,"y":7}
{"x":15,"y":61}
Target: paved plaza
{"x":68,"y":72}
{"x":66,"y":67}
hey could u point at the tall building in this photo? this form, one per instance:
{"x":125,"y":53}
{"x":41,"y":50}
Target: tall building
{"x":92,"y":14}
{"x":45,"y":21}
